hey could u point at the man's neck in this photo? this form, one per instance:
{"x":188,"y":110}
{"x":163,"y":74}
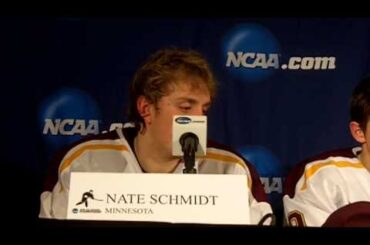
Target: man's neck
{"x":151,"y":156}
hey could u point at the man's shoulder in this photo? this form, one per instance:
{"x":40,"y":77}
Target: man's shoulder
{"x":334,"y":165}
{"x":216,"y":147}
{"x":227,"y":154}
{"x":328,"y":158}
{"x":328,"y":163}
{"x":96,"y":139}
{"x":344,"y":153}
{"x":331,"y":160}
{"x":90,"y":143}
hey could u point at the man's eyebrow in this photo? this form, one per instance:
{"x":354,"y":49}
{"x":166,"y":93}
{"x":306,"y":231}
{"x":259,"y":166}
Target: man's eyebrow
{"x":191,"y":100}
{"x":186,"y":99}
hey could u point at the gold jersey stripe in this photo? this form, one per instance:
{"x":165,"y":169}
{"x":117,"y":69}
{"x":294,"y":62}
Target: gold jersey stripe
{"x":340,"y":164}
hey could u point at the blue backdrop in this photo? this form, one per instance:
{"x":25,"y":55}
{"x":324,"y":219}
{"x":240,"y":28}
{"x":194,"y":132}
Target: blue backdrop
{"x":284,"y":88}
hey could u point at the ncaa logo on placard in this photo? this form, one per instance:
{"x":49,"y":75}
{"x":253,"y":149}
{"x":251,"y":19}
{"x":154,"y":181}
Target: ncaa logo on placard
{"x":251,"y":52}
{"x":67,"y":115}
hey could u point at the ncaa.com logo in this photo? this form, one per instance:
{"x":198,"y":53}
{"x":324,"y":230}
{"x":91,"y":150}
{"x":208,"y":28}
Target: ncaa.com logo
{"x":253,"y":53}
{"x":265,"y":61}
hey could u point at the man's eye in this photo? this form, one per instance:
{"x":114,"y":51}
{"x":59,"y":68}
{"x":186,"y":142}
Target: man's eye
{"x":185,"y":108}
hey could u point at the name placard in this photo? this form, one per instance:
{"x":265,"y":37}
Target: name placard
{"x":174,"y":198}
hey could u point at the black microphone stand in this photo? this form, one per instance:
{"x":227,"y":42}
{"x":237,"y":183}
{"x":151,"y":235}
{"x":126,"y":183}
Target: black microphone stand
{"x":189,"y":159}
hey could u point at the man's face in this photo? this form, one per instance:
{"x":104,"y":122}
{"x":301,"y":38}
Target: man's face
{"x":183,"y":99}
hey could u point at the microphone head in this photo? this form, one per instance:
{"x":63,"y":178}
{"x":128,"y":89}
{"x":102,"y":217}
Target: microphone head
{"x":189,"y":141}
{"x":188,"y":135}
{"x":189,"y":130}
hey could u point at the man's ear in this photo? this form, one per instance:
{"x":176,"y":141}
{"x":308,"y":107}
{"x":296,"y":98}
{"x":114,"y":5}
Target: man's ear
{"x":357,"y":133}
{"x":143,"y":108}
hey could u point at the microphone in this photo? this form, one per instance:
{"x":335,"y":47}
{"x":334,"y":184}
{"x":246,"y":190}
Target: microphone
{"x":189,"y":145}
{"x":189,"y":139}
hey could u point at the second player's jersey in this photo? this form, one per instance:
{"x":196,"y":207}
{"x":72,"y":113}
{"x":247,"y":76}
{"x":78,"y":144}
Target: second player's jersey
{"x":320,"y":186}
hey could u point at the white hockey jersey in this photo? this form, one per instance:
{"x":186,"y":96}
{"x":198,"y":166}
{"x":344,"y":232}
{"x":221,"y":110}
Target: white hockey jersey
{"x":318,"y":187}
{"x":112,"y":152}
